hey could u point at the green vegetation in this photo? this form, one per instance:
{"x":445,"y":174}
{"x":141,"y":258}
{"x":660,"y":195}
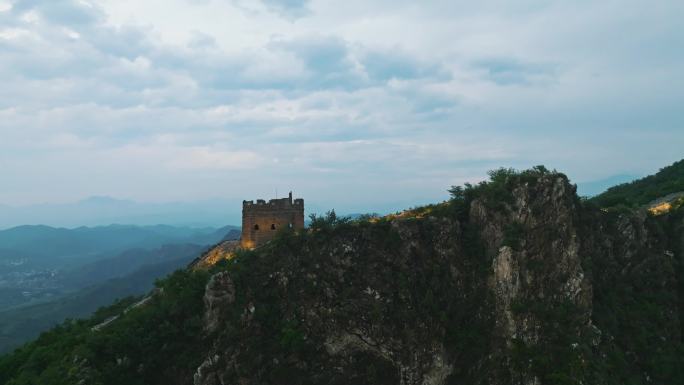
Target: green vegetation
{"x":638,"y":308}
{"x":640,"y":192}
{"x":513,"y":236}
{"x":558,"y":356}
{"x":330,"y":220}
{"x":48,"y":274}
{"x":164,"y":334}
{"x":498,"y":190}
{"x":423,"y":280}
{"x":25,"y":323}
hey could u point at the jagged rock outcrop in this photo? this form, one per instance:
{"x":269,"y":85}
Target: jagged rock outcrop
{"x":206,"y":373}
{"x":536,"y":262}
{"x":219,"y":293}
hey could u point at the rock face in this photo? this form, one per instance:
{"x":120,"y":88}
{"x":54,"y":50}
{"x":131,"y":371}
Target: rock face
{"x":532,"y":288}
{"x":220,"y":293}
{"x":536,"y":266}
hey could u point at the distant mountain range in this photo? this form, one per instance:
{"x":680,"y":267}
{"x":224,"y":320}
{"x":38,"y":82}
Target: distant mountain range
{"x":102,"y":210}
{"x":130,"y":274}
{"x":66,"y":246}
{"x":48,"y":274}
{"x":98,"y":211}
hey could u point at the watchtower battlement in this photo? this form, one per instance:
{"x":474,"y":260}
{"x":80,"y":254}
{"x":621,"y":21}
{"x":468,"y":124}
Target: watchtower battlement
{"x":262,"y":220}
{"x":283,"y":203}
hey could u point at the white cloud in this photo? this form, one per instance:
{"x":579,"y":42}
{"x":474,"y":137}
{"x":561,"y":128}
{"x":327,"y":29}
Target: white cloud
{"x":187,"y":158}
{"x":13,"y":33}
{"x":181,"y":98}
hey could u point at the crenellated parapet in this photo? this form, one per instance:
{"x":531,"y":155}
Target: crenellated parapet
{"x":261,"y":220}
{"x":283,"y":203}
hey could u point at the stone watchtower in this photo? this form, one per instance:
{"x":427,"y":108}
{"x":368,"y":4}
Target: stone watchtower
{"x":261,"y":221}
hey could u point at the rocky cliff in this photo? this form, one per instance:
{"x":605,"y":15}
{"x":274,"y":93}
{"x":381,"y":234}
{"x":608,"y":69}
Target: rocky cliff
{"x":519,"y":282}
{"x":514,"y":281}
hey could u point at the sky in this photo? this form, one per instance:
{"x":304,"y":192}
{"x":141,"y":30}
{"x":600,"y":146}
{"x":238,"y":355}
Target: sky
{"x":354,"y":105}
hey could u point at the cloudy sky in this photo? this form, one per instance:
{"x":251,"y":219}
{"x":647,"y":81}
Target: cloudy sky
{"x":354,"y":105}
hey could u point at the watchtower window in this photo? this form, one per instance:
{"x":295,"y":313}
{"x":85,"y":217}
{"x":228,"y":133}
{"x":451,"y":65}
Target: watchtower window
{"x":273,"y":226}
{"x":256,"y":227}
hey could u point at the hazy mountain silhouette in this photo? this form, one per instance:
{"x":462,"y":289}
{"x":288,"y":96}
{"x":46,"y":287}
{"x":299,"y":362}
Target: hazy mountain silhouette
{"x":99,"y":210}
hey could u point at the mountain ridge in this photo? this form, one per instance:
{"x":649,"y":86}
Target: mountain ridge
{"x":668,"y":180}
{"x":515,"y":280}
{"x":100,"y":211}
{"x":50,"y":268}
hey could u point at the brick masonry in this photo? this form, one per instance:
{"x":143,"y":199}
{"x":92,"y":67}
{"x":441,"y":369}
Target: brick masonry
{"x":262,"y":220}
